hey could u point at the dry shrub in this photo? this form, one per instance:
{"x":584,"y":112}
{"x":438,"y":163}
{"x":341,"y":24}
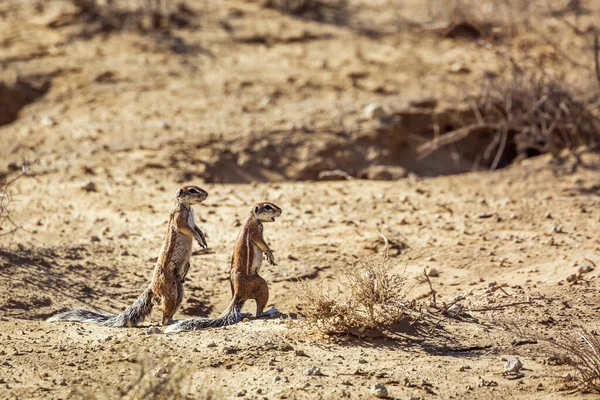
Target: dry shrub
{"x":332,"y":11}
{"x":7,"y":198}
{"x":584,"y":356}
{"x":526,"y":114}
{"x":142,"y":15}
{"x":375,"y":299}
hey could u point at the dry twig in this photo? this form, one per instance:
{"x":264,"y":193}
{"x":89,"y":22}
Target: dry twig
{"x":6,"y":201}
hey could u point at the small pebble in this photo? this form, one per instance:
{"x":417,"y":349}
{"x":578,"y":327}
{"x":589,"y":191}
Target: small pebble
{"x":374,"y":111}
{"x":313,"y":371}
{"x":90,"y":187}
{"x":513,"y":366}
{"x":572,"y":278}
{"x":584,"y":269}
{"x":379,"y":390}
{"x":47,"y":121}
{"x":432,"y":272}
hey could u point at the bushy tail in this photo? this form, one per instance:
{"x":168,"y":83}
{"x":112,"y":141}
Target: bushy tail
{"x":230,"y":316}
{"x":133,"y":315}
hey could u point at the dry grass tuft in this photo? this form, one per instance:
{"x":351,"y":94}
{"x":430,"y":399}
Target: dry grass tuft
{"x":106,"y":17}
{"x":375,"y":300}
{"x":584,"y":356}
{"x":7,"y":225}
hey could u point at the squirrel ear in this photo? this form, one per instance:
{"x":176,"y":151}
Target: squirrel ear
{"x":179,"y":192}
{"x":256,"y":209}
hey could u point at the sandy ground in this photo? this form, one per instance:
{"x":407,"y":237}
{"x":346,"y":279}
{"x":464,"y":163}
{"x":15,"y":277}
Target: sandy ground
{"x":251,"y":104}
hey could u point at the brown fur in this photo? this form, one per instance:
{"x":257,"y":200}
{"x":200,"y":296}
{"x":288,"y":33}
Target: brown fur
{"x":166,"y":287}
{"x":174,"y":260}
{"x":245,"y":282}
{"x":248,"y":251}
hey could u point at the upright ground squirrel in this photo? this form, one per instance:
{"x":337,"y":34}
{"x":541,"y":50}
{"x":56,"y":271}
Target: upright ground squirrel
{"x":166,"y":287}
{"x":246,"y":284}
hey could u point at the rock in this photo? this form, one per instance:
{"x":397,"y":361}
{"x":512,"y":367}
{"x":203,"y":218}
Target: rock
{"x":459,"y":68}
{"x":300,"y":353}
{"x":211,"y":344}
{"x":383,"y":173}
{"x":572,"y":278}
{"x":426,"y":102}
{"x":567,"y":377}
{"x":513,"y":366}
{"x":89,"y":187}
{"x":153,"y":330}
{"x":379,"y":390}
{"x":276,"y":378}
{"x":456,"y":309}
{"x":432,"y":272}
{"x":230,"y":350}
{"x":584,"y":269}
{"x":94,"y":238}
{"x":313,"y":371}
{"x":241,"y":393}
{"x":491,"y":284}
{"x":374,"y":111}
{"x":163,"y":125}
{"x":47,"y":121}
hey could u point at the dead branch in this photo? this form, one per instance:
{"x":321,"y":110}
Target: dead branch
{"x":502,"y":306}
{"x":524,"y":114}
{"x":7,"y":199}
{"x":431,"y":289}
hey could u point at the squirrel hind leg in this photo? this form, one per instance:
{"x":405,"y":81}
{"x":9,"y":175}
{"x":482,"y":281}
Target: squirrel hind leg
{"x":169,"y":304}
{"x":261,"y":295}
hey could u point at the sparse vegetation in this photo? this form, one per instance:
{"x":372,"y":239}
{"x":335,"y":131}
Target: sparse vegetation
{"x":583,"y":354}
{"x":155,"y":380}
{"x":7,"y":225}
{"x":141,"y":16}
{"x":376,"y":299}
{"x":334,"y":11}
{"x":525,"y":115}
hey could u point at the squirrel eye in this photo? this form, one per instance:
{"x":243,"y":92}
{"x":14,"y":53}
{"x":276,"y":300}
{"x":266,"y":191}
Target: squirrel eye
{"x":268,"y":207}
{"x":194,"y":190}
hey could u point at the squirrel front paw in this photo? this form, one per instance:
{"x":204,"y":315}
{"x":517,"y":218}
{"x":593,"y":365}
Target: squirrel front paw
{"x":270,"y":258}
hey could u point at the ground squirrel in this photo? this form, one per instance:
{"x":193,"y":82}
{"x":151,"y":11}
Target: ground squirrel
{"x":166,"y":287}
{"x":245,"y":282}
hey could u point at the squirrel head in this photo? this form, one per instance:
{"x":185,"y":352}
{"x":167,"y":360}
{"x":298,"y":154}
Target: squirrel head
{"x":266,"y":212}
{"x":191,"y":195}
